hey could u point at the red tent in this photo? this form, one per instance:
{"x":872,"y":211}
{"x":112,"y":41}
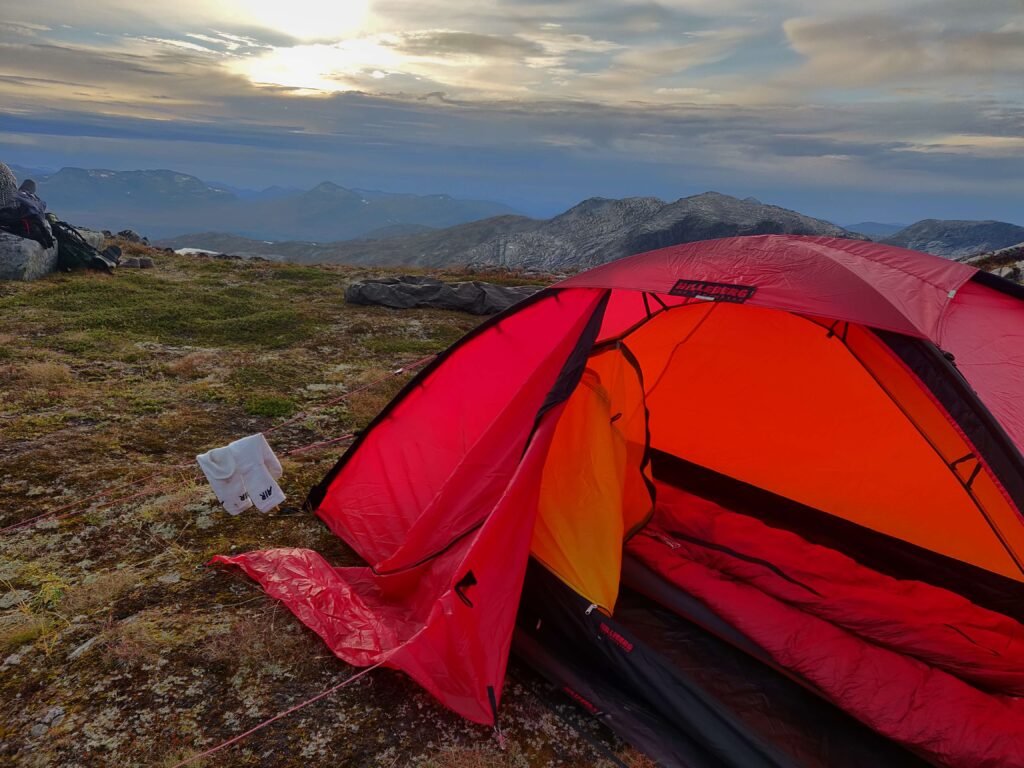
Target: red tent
{"x":855,"y":398}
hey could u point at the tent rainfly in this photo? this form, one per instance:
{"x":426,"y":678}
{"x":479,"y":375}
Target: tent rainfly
{"x":751,"y":501}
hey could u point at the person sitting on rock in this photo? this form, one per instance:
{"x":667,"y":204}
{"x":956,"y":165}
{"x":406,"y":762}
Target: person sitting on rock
{"x":23,"y":213}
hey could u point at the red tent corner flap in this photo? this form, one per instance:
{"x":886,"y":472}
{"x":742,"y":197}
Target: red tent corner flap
{"x":449,"y":624}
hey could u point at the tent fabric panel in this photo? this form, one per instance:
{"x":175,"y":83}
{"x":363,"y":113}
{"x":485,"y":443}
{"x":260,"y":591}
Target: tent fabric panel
{"x":897,"y":694}
{"x":945,"y":435}
{"x":622,"y":379}
{"x":461,"y":654}
{"x":876,"y":550}
{"x":446,"y":623}
{"x":985,"y":333}
{"x":626,"y":309}
{"x":596,"y":482}
{"x":422,"y":458}
{"x":936,"y":626}
{"x":858,"y":281}
{"x":767,"y":398}
{"x":959,"y":400}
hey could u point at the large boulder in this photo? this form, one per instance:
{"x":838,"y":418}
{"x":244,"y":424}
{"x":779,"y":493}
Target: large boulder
{"x":24,"y":259}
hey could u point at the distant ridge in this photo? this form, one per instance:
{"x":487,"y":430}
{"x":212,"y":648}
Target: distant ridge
{"x":956,"y":239}
{"x":163,"y":203}
{"x":876,"y":230}
{"x":593,"y":232}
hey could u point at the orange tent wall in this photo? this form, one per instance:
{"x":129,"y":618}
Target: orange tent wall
{"x":595,"y":489}
{"x":771,"y":398}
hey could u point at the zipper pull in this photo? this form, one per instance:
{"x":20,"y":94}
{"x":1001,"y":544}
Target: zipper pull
{"x":591,"y":609}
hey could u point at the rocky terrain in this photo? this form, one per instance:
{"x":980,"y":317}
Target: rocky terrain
{"x":876,"y":230}
{"x":957,"y":239}
{"x":595,"y":231}
{"x":118,"y":647}
{"x":1006,"y":262}
{"x":164,"y":203}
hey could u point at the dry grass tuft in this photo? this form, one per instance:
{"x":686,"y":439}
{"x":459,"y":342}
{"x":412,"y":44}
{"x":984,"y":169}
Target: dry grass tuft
{"x":256,"y":641}
{"x":99,"y":592}
{"x":194,"y":365}
{"x":146,"y":637}
{"x":22,"y":627}
{"x":44,"y":374}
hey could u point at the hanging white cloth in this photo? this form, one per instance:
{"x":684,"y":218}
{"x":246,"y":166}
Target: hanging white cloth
{"x":244,"y":474}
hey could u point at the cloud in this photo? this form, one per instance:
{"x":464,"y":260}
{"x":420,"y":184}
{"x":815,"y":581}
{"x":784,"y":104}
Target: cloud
{"x":877,"y":49}
{"x":445,"y":42}
{"x":1010,"y":147}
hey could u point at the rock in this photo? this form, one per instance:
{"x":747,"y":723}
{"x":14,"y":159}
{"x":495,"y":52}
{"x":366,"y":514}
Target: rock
{"x":130,"y":262}
{"x":169,"y":578}
{"x":39,"y":729}
{"x":132,"y":236}
{"x":92,"y":237}
{"x":53,"y":716}
{"x":24,"y":259}
{"x":14,"y":597}
{"x":1006,"y":262}
{"x":410,"y":291}
{"x":8,"y":186}
{"x":12,"y":661}
{"x":83,"y":648}
{"x":146,"y":263}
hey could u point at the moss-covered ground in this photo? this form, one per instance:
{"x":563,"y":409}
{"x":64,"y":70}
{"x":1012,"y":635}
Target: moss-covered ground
{"x":117,"y":646}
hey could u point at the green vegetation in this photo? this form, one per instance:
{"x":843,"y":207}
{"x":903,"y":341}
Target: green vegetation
{"x":270,"y":406}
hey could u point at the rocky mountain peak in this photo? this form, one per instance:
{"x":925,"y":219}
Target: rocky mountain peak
{"x":955,"y":238}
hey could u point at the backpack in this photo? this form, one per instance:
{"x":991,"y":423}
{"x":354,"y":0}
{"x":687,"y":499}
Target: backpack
{"x":74,"y":252}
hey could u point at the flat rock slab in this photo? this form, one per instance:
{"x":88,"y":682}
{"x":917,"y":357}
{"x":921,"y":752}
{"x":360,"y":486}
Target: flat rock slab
{"x":24,"y":259}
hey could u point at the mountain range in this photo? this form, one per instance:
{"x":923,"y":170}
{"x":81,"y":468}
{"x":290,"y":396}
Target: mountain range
{"x":165,"y":203}
{"x":331,"y":223}
{"x":957,"y":239}
{"x":593,"y":232}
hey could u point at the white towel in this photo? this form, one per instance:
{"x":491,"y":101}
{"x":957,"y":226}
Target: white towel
{"x":221,"y":470}
{"x":259,"y":470}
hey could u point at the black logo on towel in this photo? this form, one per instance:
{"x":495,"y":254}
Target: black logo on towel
{"x":702,"y":289}
{"x":264,"y":495}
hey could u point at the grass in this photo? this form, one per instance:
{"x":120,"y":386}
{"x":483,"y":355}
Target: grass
{"x":108,"y":378}
{"x":141,"y":307}
{"x":271,"y":405}
{"x":17,"y":631}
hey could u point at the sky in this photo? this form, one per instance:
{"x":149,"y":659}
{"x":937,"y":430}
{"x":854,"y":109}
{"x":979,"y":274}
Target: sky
{"x":883,"y":110}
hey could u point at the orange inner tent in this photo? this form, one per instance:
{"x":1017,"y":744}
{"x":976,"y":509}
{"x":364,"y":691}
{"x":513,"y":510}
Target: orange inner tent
{"x":819,"y":412}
